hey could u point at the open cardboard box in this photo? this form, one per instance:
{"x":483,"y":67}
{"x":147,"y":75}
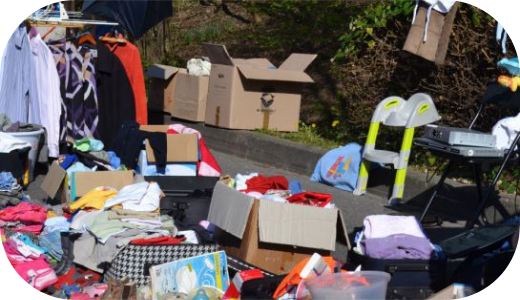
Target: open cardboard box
{"x":270,"y":235}
{"x":162,"y":87}
{"x":252,"y":93}
{"x":56,"y":186}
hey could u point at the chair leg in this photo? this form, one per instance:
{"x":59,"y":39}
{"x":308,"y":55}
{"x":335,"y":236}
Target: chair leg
{"x":437,"y":188}
{"x":478,"y":182}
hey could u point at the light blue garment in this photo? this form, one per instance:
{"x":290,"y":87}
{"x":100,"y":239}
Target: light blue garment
{"x":18,"y":90}
{"x":56,"y":224}
{"x":115,"y":161}
{"x":77,"y":167}
{"x":339,"y":167}
{"x":295,"y":186}
{"x":6,"y":181}
{"x":96,"y":145}
{"x":51,"y":241}
{"x":511,"y":65}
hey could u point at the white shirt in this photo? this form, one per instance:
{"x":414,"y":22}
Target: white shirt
{"x":48,"y":90}
{"x":18,"y":96}
{"x":506,"y":130}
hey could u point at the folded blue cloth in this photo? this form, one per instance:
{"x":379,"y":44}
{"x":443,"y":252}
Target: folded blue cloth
{"x":6,"y":181}
{"x":67,"y":160}
{"x":115,"y":161}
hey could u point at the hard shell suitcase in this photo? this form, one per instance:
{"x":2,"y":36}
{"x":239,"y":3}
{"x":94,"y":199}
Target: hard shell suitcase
{"x":188,"y":198}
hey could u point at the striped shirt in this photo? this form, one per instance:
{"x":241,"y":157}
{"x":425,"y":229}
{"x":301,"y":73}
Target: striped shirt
{"x":18,"y":97}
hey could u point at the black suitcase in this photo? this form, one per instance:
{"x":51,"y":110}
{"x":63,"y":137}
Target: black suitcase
{"x":411,"y":279}
{"x":187,"y":197}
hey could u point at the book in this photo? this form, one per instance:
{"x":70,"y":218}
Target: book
{"x":185,"y":275}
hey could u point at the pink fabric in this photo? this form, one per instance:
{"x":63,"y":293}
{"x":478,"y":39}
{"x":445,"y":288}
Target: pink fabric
{"x":37,"y":273}
{"x":207,"y":165}
{"x":36,"y":229}
{"x":24,"y":212}
{"x":80,"y":296}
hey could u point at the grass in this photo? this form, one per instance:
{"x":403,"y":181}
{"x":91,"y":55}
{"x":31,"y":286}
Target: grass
{"x":306,"y":135}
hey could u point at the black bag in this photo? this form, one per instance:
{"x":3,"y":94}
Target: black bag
{"x":134,"y":261}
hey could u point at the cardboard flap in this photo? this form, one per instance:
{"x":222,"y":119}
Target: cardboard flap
{"x":297,"y":62}
{"x":161,"y":71}
{"x":297,"y":225}
{"x":84,"y":182}
{"x":261,"y":63}
{"x":255,"y":73}
{"x":53,"y":180}
{"x":218,"y":54}
{"x":229,"y":209}
{"x":181,"y":148}
{"x":342,"y":236}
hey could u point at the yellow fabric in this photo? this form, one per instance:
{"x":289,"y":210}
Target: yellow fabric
{"x":96,"y":199}
{"x":51,"y":214}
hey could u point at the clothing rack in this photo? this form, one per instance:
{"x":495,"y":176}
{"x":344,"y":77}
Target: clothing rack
{"x":62,"y":18}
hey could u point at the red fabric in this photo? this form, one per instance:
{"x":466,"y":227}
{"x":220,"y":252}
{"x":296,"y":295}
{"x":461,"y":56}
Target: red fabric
{"x":165,"y":240}
{"x":205,"y":155}
{"x":24,"y":212}
{"x":310,"y":198}
{"x":129,"y":56}
{"x":262,"y":184}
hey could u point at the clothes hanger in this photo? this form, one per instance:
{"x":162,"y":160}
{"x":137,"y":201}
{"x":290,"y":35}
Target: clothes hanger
{"x":86,"y":38}
{"x":113,"y":37}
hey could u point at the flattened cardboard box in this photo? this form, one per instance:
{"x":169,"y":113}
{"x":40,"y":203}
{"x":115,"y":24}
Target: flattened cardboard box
{"x":252,"y":93}
{"x":273,"y":236}
{"x":162,"y":87}
{"x":81,"y":182}
{"x":191,"y":94}
{"x":181,"y":147}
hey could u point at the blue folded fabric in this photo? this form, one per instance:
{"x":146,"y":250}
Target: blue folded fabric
{"x":52,"y":242}
{"x":67,"y":160}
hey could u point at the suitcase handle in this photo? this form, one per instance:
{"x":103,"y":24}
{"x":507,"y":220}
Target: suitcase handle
{"x":406,"y":268}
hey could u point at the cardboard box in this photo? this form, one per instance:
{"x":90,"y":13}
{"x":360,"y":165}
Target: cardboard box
{"x":55,"y":184}
{"x":181,"y":147}
{"x":191,"y":94}
{"x":172,"y":169}
{"x":252,"y":93}
{"x":270,"y":235}
{"x":162,"y":87}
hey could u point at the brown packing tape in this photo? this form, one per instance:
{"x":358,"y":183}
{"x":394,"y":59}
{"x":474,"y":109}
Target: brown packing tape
{"x":217,"y":116}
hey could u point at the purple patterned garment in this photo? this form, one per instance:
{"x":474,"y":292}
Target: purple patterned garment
{"x":79,"y":117}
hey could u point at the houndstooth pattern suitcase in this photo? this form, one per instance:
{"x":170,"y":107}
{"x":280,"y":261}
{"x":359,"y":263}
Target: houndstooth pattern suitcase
{"x":135,"y":261}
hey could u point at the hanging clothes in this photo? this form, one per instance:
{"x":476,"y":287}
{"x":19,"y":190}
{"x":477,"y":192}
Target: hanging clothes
{"x":18,"y":96}
{"x":129,"y":56}
{"x":80,"y":111}
{"x":116,"y":97}
{"x":48,"y":89}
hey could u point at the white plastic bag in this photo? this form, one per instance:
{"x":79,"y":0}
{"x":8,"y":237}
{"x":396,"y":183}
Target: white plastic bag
{"x":199,"y":67}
